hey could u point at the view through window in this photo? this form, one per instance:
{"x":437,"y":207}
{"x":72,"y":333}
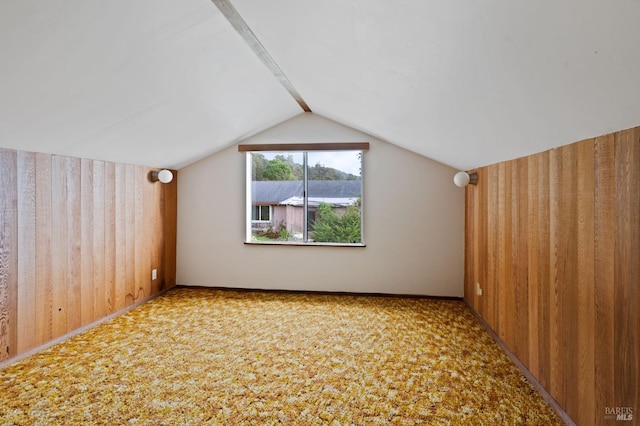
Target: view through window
{"x":305,"y":197}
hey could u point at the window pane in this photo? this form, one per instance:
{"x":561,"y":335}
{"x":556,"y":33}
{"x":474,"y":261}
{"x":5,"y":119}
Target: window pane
{"x":335,"y":195}
{"x":276,"y":183}
{"x":277,"y":196}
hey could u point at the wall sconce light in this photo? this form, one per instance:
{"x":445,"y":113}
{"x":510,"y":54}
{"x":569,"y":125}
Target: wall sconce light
{"x":463,"y":179}
{"x":163,"y":176}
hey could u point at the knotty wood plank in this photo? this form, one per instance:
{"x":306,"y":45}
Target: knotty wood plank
{"x":59,"y":244}
{"x":507,"y":290}
{"x":481,"y":223}
{"x":604,"y":250}
{"x":149,"y":213}
{"x":141,"y":267}
{"x":110,"y":247}
{"x":98,"y":243}
{"x":26,"y":209}
{"x":171,"y":225}
{"x":8,"y":254}
{"x":568,"y":278}
{"x":74,"y":242}
{"x":469,"y":247}
{"x":556,"y":382}
{"x":627,"y":269}
{"x":157,"y":239}
{"x":43,"y":256}
{"x":521,"y":259}
{"x":120,"y":211}
{"x":87,"y":286}
{"x":130,"y":235}
{"x":586,"y":395}
{"x":491,"y":291}
{"x":533,"y":271}
{"x":543,"y":250}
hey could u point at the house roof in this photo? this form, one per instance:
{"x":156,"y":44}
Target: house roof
{"x":165,"y":83}
{"x":275,"y":192}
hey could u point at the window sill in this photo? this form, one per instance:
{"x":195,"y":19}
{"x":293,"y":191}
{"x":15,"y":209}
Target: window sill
{"x":293,"y":243}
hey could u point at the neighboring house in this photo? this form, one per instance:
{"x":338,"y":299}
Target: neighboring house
{"x":281,"y":202}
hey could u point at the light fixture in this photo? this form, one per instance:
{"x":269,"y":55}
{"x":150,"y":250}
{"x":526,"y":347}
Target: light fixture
{"x":163,"y":176}
{"x":463,"y":179}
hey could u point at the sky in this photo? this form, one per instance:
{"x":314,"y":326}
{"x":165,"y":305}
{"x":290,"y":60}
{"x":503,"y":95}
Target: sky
{"x":346,"y":161}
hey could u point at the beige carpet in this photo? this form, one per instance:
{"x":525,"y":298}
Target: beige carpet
{"x":202,"y":356}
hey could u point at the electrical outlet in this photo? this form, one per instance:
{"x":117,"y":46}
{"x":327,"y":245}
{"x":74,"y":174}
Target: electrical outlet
{"x":478,"y":289}
{"x":154,"y":274}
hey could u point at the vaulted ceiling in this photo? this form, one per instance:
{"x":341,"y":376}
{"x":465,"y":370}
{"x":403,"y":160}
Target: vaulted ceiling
{"x":166,"y":82}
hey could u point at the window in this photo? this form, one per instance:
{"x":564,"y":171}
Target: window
{"x":261,"y":214}
{"x":304,"y":193}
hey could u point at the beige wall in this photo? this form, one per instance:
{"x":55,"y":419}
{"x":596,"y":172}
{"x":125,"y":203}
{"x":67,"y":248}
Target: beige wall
{"x":413,"y":224}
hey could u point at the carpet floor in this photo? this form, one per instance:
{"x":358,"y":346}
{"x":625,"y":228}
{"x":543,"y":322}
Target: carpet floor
{"x":203,"y":356}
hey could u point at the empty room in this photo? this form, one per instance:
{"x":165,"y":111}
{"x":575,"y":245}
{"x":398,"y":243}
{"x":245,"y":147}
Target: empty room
{"x":242,"y":212}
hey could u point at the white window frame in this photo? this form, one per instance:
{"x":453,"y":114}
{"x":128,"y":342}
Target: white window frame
{"x":248,"y":149}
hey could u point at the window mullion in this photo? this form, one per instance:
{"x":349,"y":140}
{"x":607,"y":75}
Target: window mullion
{"x":305,"y":197}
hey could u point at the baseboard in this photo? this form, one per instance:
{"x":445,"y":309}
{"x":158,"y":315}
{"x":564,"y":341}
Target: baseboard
{"x":530,"y":377}
{"x":80,"y":330}
{"x":321,"y":292}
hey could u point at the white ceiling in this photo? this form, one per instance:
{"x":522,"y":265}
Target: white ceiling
{"x":166,"y":82}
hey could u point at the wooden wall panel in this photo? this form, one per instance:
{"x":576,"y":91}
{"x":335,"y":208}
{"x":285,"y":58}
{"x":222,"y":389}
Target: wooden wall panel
{"x":8,"y":254}
{"x":77,"y":239}
{"x":98,"y":242}
{"x":585,"y":321}
{"x":627,"y":269}
{"x":120,"y":288}
{"x":44,"y":225}
{"x":87,"y":289}
{"x":604,"y":277}
{"x":59,"y":244}
{"x":130,"y":235}
{"x":26,"y":197}
{"x":74,"y":242}
{"x":520,"y":252}
{"x":110,"y":232}
{"x":559,"y":233}
{"x":533,"y":262}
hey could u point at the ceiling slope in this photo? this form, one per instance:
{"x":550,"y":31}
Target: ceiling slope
{"x":165,"y":82}
{"x":153,"y":82}
{"x":464,"y":83}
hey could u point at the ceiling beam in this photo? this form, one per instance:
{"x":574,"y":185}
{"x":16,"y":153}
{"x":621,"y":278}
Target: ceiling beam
{"x":250,"y":38}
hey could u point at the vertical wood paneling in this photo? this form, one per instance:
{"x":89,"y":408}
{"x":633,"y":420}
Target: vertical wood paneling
{"x":520,"y":258}
{"x":26,"y":207}
{"x":627,"y":268}
{"x":533,"y":261}
{"x":130,"y":235}
{"x":87,"y":289}
{"x":98,"y":243}
{"x":556,"y":384}
{"x":59,"y":244}
{"x":170,"y":228}
{"x":120,"y":237}
{"x":110,"y":233}
{"x":157,"y":237}
{"x":585,"y":322}
{"x":74,"y":242}
{"x":43,"y":267}
{"x":493,"y":224}
{"x":469,"y":226}
{"x":76,"y":238}
{"x":568,"y":275}
{"x":604,"y":224}
{"x":543,"y":249}
{"x":8,"y":254}
{"x":561,"y":268}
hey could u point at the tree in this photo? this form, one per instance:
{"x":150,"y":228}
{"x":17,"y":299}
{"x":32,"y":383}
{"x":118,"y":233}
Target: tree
{"x":329,"y":227}
{"x":277,"y":170}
